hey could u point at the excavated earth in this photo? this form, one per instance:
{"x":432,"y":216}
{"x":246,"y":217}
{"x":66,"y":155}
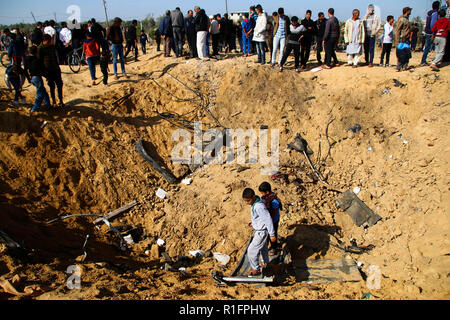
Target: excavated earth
{"x":84,"y":160}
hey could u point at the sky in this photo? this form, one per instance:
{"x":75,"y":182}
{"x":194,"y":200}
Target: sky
{"x":20,"y":10}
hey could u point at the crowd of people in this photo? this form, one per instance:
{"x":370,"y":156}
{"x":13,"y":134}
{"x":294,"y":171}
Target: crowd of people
{"x":47,"y":47}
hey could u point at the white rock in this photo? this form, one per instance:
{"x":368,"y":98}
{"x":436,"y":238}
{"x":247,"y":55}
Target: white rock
{"x":160,"y":242}
{"x":356,"y":190}
{"x":187,"y":181}
{"x":160,"y":193}
{"x":222,"y":258}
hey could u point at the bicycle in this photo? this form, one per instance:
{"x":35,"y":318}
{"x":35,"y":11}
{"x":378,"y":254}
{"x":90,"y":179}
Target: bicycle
{"x":74,"y":60}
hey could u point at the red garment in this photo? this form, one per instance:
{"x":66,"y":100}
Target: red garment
{"x":441,"y":27}
{"x":91,"y":48}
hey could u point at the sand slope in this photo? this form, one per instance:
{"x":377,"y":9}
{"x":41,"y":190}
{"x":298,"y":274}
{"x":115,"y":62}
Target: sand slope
{"x":84,"y":161}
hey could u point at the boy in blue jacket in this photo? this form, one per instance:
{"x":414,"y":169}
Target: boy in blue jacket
{"x":273,"y":204}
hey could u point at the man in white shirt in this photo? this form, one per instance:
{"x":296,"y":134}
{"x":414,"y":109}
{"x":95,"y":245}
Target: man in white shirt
{"x":65,"y":35}
{"x":50,"y":30}
{"x":215,"y":34}
{"x":387,"y":40}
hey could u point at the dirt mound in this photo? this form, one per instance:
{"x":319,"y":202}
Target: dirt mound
{"x":84,"y":160}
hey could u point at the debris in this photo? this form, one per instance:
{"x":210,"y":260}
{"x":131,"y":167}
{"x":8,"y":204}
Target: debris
{"x":369,"y":148}
{"x":196,"y":253}
{"x":356,"y":190}
{"x":83,"y":257}
{"x":398,"y":83}
{"x":160,"y":242}
{"x":8,"y":241}
{"x":355,"y":129}
{"x":374,"y":277}
{"x":326,"y":270}
{"x":44,"y":124}
{"x":187,"y":181}
{"x":123,"y":97}
{"x":309,"y":98}
{"x":405,"y":141}
{"x":105,"y":220}
{"x":358,"y":210}
{"x":129,"y":239}
{"x":160,"y":193}
{"x":167,"y":175}
{"x":366,"y":295}
{"x":117,"y":211}
{"x":316,"y":69}
{"x":222,"y":258}
{"x":386,"y":92}
{"x":236,"y":113}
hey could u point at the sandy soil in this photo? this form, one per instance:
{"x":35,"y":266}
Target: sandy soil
{"x":84,"y":161}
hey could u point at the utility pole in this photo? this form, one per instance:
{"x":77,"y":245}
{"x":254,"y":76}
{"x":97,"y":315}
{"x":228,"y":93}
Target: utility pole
{"x":33,"y":17}
{"x":106,"y":14}
{"x":54,"y":13}
{"x":226,"y":6}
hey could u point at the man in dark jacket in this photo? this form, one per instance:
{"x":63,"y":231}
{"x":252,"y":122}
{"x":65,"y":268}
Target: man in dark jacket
{"x":165,"y":28}
{"x":34,"y":71}
{"x":36,"y":36}
{"x":47,"y":57}
{"x":311,"y":31}
{"x":191,"y":34}
{"x":330,"y":39}
{"x":202,"y":27}
{"x":77,"y":36}
{"x":320,"y":25}
{"x":98,"y":32}
{"x":177,"y":20}
{"x":132,"y":40}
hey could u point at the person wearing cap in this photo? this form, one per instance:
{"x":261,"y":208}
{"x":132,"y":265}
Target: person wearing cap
{"x":372,"y":23}
{"x":114,"y":34}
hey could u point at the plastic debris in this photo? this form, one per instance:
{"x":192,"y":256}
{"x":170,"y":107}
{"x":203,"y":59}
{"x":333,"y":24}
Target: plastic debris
{"x":355,"y":129}
{"x":386,"y":92}
{"x":196,"y":253}
{"x":405,"y":141}
{"x":160,"y":193}
{"x":44,"y":124}
{"x":369,"y":148}
{"x":160,"y":242}
{"x":129,"y":239}
{"x":222,"y":258}
{"x":374,"y":277}
{"x":187,"y":181}
{"x":356,"y":190}
{"x":316,"y":69}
